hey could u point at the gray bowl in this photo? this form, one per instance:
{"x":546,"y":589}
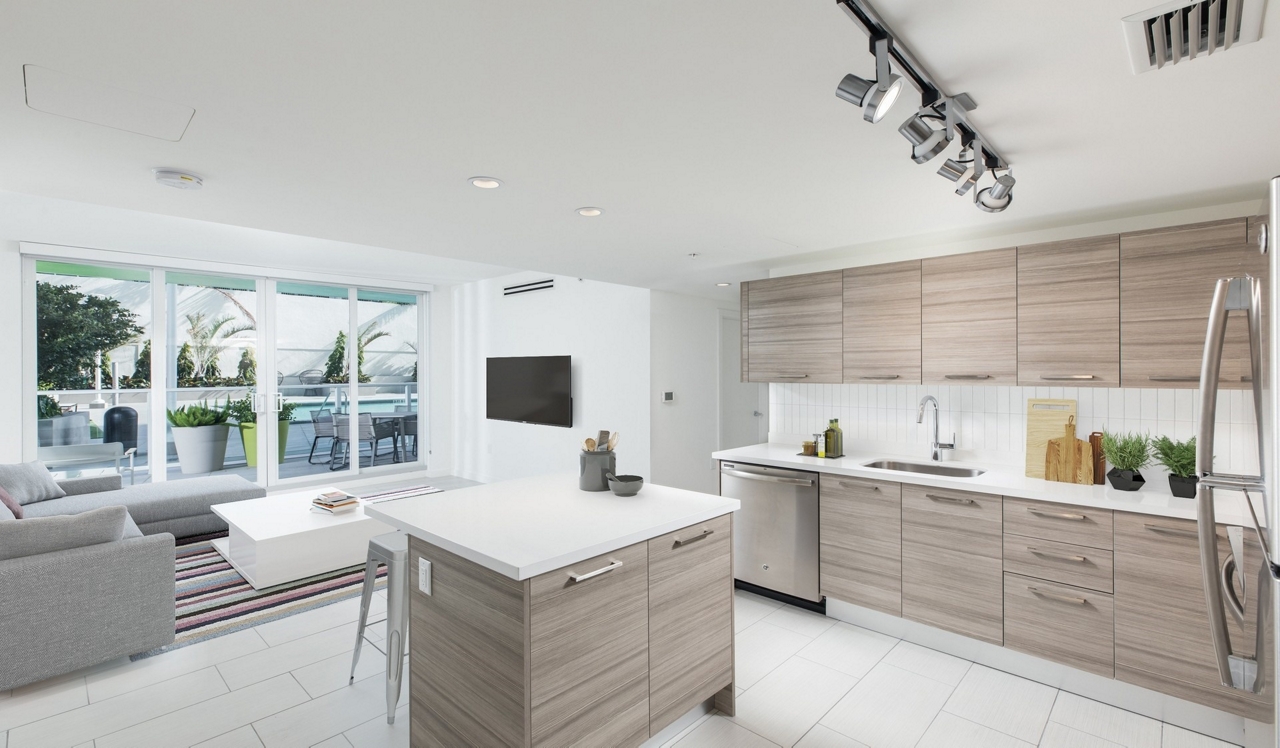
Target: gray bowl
{"x":625,"y":485}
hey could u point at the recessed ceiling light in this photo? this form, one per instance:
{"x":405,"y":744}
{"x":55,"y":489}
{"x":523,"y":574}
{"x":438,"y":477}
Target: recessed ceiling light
{"x":486,"y":183}
{"x":178,"y":179}
{"x":590,"y":212}
{"x":722,"y":285}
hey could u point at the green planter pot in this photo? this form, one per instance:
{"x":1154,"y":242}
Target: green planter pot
{"x":249,"y":438}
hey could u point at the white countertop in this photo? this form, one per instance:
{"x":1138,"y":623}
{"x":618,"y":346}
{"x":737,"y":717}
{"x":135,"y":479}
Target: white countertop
{"x":526,"y":527}
{"x":1153,"y":498}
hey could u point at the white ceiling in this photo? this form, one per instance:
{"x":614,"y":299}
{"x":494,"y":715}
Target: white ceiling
{"x":707,"y":127}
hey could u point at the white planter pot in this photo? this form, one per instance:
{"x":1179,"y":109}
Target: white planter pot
{"x":201,"y":449}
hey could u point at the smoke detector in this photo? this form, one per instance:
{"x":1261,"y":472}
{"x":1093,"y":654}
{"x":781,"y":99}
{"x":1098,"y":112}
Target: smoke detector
{"x":1178,"y":31}
{"x":181,"y":180}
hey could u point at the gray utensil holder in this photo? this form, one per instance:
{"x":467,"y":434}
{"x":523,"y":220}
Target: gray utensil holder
{"x":592,"y":467}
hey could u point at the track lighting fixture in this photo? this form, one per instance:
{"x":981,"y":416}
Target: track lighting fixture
{"x":965,"y":170}
{"x":878,"y":96}
{"x":926,"y":142}
{"x":997,"y":197}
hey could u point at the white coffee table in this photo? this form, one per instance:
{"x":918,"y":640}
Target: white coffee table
{"x":279,"y":539}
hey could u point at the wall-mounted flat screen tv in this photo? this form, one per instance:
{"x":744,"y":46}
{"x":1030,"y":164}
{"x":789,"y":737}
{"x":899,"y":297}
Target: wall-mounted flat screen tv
{"x":530,"y":389}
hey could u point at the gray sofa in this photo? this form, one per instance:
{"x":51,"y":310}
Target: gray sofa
{"x":73,"y":608}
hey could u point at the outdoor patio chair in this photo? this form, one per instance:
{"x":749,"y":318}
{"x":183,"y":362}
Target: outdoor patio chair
{"x":322,"y":424}
{"x":410,"y":427}
{"x":73,"y":456}
{"x":367,"y":432}
{"x":311,"y":377}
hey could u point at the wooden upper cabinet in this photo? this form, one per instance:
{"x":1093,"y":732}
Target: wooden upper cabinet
{"x":1069,"y":313}
{"x":882,"y":323}
{"x":969,"y":318}
{"x":1167,"y":279}
{"x":795,"y":329}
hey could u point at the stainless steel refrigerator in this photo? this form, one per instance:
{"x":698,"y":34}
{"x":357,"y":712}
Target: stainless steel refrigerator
{"x":1229,"y":590}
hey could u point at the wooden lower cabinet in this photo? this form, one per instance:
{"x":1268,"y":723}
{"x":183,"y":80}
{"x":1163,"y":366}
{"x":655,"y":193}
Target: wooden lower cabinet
{"x":952,"y":570}
{"x":1058,"y":622}
{"x":860,"y":548}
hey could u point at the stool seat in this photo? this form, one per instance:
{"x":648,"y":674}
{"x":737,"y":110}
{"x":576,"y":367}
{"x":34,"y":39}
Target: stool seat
{"x":390,"y":550}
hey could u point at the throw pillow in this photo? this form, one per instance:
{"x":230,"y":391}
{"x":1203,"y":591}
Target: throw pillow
{"x":29,"y":482}
{"x":10,"y":504}
{"x":36,"y":535}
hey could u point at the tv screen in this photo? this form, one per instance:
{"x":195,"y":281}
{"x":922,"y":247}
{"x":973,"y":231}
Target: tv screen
{"x":531,"y":389}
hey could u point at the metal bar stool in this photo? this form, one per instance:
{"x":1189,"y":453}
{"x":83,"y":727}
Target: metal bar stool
{"x":391,"y":549}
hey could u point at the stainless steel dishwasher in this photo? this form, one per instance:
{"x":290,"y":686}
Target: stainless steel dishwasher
{"x":775,"y":533}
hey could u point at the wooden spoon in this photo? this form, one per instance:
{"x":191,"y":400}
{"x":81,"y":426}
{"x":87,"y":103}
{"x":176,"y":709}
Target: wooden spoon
{"x":613,"y":440}
{"x":589,"y":445}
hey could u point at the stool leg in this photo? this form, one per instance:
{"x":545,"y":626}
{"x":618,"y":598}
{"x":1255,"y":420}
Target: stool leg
{"x":397,"y":626}
{"x":366,"y":596}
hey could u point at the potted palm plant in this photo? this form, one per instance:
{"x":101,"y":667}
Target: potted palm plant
{"x":1180,"y":459}
{"x":1128,"y":454}
{"x":246,"y":419}
{"x":200,"y":437}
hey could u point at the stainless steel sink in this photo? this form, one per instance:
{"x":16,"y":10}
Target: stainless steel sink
{"x":950,"y":471}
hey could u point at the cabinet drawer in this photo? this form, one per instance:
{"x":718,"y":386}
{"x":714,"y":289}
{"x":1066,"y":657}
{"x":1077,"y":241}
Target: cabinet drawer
{"x":1061,"y":522}
{"x":952,"y":561}
{"x":1059,"y":622}
{"x":860,"y":550}
{"x":1076,"y":565}
{"x":690,"y":618}
{"x":589,"y":652}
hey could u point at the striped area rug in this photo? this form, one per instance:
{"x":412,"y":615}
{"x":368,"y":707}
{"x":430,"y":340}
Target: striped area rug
{"x":213,"y":599}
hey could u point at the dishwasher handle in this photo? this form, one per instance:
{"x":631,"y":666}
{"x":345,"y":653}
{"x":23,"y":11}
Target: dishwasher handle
{"x":767,"y":478}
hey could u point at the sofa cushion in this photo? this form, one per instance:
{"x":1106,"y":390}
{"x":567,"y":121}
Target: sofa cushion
{"x":6,"y":513}
{"x":157,"y":502}
{"x":130,"y":528}
{"x":35,"y":535}
{"x":29,"y":482}
{"x":10,"y":505}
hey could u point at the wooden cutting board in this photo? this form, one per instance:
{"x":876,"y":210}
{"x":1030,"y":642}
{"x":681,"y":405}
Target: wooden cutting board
{"x":1045,"y":420}
{"x":1068,"y":459}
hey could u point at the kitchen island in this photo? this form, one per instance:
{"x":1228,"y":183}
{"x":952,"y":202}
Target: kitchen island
{"x":543,"y":615}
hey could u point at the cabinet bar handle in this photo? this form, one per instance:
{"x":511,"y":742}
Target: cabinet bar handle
{"x":1057,"y":515}
{"x":1055,"y":596}
{"x":1066,"y":377}
{"x":1077,"y":559}
{"x":950,"y":499}
{"x":793,"y":376}
{"x":880,"y":376}
{"x":602,"y":570}
{"x":699,"y":536}
{"x":1173,"y":531}
{"x":847,"y":484}
{"x":967,"y":376}
{"x":1174,"y":378}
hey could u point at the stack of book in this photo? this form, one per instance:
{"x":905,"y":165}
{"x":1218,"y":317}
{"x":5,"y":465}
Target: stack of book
{"x":334,"y":502}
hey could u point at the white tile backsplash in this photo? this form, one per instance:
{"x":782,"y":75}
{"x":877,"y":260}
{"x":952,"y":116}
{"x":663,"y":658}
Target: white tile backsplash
{"x":989,"y":421}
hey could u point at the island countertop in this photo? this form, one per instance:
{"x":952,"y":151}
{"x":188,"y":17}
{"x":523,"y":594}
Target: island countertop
{"x":523,"y":528}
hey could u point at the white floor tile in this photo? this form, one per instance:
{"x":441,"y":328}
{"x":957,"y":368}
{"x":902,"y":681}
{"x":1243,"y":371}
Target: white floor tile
{"x":695,"y":725}
{"x":290,"y":655}
{"x":825,"y":737}
{"x":330,"y":674}
{"x":799,"y":620}
{"x":1105,"y":721}
{"x":761,"y":648}
{"x":129,"y":676}
{"x":1060,"y":736}
{"x":40,"y":700}
{"x":1176,"y":737}
{"x":849,"y":649}
{"x":244,"y":737}
{"x":928,"y":662}
{"x":105,"y":717}
{"x":320,"y":719}
{"x":211,"y":718}
{"x":791,"y":699}
{"x":1012,"y":705}
{"x":719,"y":732}
{"x":889,"y":708}
{"x":85,"y":745}
{"x":950,"y":731}
{"x":337,"y":741}
{"x":749,"y":608}
{"x":314,"y":621}
{"x":376,"y":733}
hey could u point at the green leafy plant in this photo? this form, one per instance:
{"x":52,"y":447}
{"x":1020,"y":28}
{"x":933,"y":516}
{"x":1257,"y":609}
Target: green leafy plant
{"x":1127,"y":451}
{"x":1178,"y":457}
{"x":71,"y":327}
{"x":209,"y":340}
{"x":241,"y":411}
{"x":336,"y":370}
{"x":197,"y":414}
{"x":47,"y":407}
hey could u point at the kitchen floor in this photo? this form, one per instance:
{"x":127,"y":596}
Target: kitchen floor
{"x":805,"y":680}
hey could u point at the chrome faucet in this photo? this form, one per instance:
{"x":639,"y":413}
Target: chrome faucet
{"x":935,"y":446}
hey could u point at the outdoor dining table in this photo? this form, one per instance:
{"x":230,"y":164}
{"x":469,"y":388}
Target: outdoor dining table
{"x":399,"y":418}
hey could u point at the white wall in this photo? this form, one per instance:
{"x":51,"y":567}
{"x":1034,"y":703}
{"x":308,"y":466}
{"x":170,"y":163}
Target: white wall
{"x":684,"y":359}
{"x":603,"y":326}
{"x":11,"y":359}
{"x":440,"y":383}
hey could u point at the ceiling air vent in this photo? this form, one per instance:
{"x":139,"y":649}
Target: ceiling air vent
{"x":542,"y":285}
{"x":1171,"y":33}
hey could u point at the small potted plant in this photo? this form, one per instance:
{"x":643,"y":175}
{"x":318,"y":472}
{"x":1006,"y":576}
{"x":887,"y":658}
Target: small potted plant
{"x":241,"y":411}
{"x":200,"y":437}
{"x":1128,"y":454}
{"x":1180,"y":459}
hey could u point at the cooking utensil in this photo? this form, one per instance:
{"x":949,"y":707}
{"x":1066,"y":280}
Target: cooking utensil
{"x":1045,"y":420}
{"x":588,"y":445}
{"x":624,"y":485}
{"x":1068,"y":459}
{"x":613,"y":441}
{"x":602,"y":441}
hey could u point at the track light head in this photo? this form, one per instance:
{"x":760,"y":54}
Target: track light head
{"x":926,"y":142}
{"x":997,"y":197}
{"x":878,"y":96}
